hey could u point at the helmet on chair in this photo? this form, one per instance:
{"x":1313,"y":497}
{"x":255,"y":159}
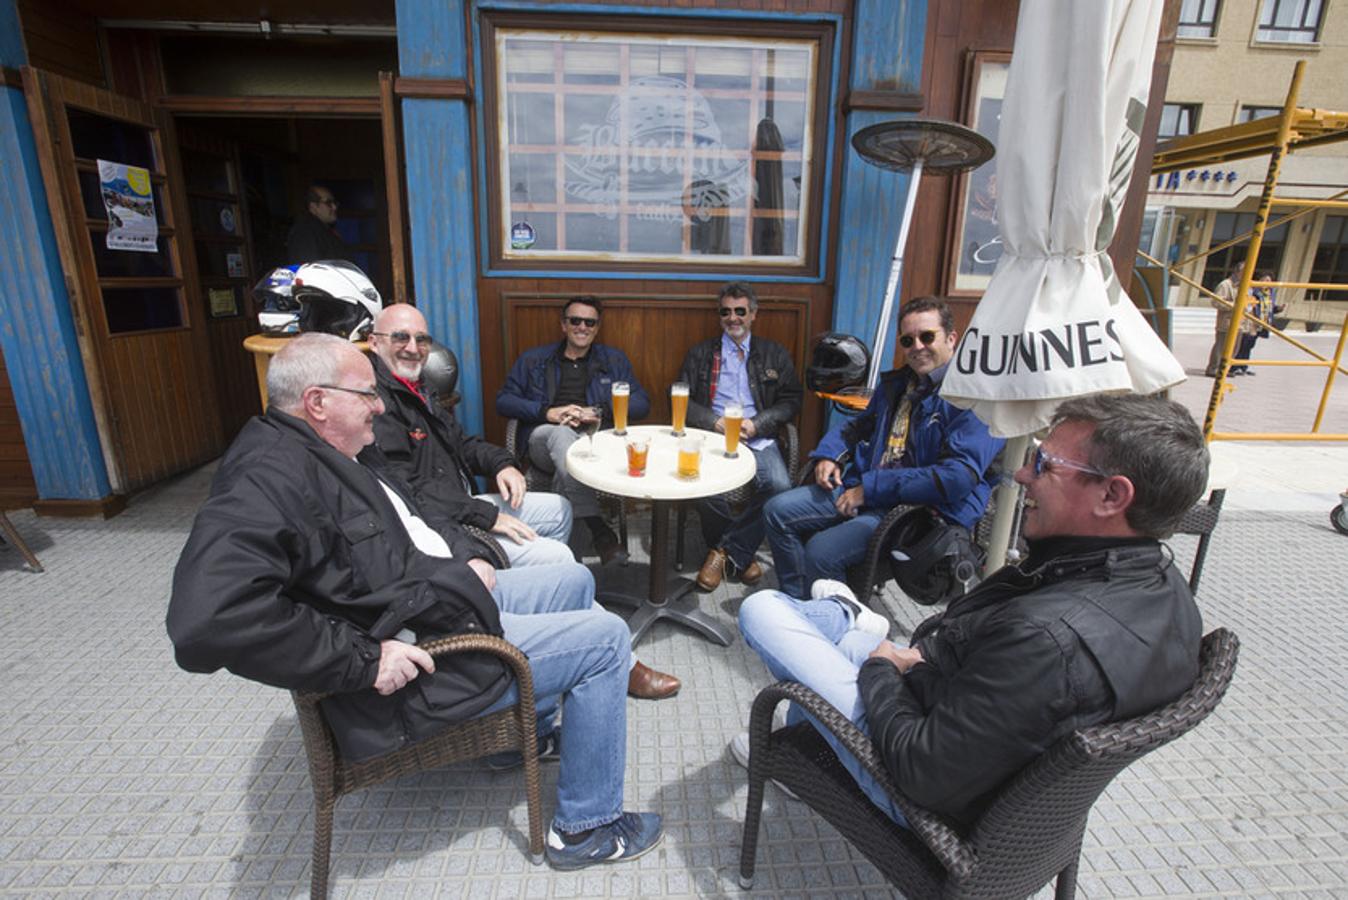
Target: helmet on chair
{"x":278,"y":312}
{"x":932,"y":560}
{"x":441,"y":370}
{"x":837,"y":361}
{"x":335,"y":297}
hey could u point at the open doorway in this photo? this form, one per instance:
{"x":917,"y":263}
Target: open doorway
{"x":246,"y":181}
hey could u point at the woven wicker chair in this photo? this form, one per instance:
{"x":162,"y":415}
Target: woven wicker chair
{"x":512,"y":728}
{"x":791,"y":452}
{"x":1028,"y":836}
{"x":1201,"y":520}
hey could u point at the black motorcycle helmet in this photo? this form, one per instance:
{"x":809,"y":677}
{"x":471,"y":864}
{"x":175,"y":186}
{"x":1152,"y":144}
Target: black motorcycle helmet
{"x":441,"y":372}
{"x":931,"y":560}
{"x":838,"y":361}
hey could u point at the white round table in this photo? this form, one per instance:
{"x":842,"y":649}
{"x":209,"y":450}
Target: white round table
{"x":606,"y":470}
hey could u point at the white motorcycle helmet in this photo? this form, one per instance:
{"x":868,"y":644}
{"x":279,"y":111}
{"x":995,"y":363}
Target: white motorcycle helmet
{"x":278,"y":311}
{"x":335,"y":297}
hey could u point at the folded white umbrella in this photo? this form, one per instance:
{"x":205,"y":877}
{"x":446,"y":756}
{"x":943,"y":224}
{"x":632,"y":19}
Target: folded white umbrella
{"x":1055,"y":322}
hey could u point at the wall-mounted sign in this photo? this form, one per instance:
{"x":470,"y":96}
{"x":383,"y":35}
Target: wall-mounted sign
{"x":223,"y":302}
{"x":130,"y":205}
{"x":234,"y":265}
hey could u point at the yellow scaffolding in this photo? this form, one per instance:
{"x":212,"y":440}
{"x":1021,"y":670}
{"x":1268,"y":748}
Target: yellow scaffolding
{"x":1294,"y":129}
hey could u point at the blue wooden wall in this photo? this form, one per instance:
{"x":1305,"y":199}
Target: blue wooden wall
{"x":37,"y":333}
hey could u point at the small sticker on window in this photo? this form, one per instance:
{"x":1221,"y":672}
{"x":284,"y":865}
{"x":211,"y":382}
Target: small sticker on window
{"x":522,"y":236}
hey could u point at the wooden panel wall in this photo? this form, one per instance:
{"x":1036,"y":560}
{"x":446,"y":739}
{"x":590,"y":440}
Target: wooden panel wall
{"x":17,"y":488}
{"x":62,"y":38}
{"x":653,"y":322}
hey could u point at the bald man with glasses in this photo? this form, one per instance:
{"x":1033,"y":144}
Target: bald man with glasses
{"x":909,"y":447}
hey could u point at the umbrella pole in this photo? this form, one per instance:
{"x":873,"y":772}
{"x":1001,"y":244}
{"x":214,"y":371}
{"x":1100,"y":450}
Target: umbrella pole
{"x":1000,"y":538}
{"x":887,"y":310}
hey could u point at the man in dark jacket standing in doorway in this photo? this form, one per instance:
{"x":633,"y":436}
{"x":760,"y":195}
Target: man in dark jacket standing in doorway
{"x":756,"y":374}
{"x":313,"y":235}
{"x":310,"y":571}
{"x":1096,"y":625}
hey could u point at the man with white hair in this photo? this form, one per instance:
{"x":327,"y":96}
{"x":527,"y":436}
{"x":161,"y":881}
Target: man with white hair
{"x":309,"y":571}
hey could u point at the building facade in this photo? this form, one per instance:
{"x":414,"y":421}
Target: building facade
{"x":1233,"y":62}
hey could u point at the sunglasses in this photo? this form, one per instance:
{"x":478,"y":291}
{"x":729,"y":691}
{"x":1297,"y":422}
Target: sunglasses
{"x":728,"y":311}
{"x":577,"y":321}
{"x":1043,"y":461}
{"x":926,"y":337}
{"x":402,"y":337}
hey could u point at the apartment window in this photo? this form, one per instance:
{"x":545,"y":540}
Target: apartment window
{"x":654,"y":148}
{"x":1198,"y":18}
{"x":1250,"y":113}
{"x":1331,"y":259}
{"x":1290,"y":21}
{"x":1227,"y":226}
{"x":1178,"y":119}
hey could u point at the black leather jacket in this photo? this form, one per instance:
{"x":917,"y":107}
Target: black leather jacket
{"x":773,"y":384}
{"x":298,"y":566}
{"x":1096,"y":633}
{"x":427,"y":448}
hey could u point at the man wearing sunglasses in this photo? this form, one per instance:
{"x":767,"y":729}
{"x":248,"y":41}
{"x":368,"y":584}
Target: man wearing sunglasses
{"x":558,"y":390}
{"x":313,"y":236}
{"x":909,"y":447}
{"x":1095,"y":625}
{"x":757,"y":374}
{"x":425,"y":446}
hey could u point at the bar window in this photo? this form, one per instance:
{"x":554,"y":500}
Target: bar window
{"x":1290,"y":21}
{"x":1198,"y":18}
{"x":653,"y":148}
{"x":1178,"y":120}
{"x":1250,"y":113}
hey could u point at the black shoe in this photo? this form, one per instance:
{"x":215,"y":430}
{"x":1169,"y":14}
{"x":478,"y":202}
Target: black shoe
{"x":608,"y":549}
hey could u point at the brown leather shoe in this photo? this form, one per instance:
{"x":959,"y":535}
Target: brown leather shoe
{"x":752,"y":573}
{"x":713,"y":570}
{"x":645,"y":683}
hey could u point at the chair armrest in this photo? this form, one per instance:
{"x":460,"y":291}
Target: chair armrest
{"x":792,"y":447}
{"x":460,"y":643}
{"x":499,"y":558}
{"x":512,"y":439}
{"x":946,"y":844}
{"x":870,"y":563}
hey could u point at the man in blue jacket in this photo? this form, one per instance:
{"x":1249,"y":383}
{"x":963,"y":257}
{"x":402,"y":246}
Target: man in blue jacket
{"x":558,"y":390}
{"x":909,"y":447}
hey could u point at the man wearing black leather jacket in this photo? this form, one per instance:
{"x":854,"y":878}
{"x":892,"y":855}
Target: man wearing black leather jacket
{"x":1094,"y":626}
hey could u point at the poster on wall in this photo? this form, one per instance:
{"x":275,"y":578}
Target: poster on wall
{"x":130,"y":205}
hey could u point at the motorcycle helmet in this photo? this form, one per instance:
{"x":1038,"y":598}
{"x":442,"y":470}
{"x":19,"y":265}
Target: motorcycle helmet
{"x":278,"y":311}
{"x":335,"y":297}
{"x":837,"y":362}
{"x":932,"y":560}
{"x":440,"y":372}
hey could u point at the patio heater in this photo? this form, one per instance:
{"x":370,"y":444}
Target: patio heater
{"x":914,"y":145}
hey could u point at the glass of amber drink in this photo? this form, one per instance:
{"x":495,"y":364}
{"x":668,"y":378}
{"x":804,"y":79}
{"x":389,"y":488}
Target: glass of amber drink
{"x":621,"y":391}
{"x":678,"y":404}
{"x":690,"y":457}
{"x":734,"y":416}
{"x":638,"y":449}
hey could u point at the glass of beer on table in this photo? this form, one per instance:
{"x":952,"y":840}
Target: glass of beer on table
{"x":690,"y":457}
{"x":638,"y":448}
{"x":621,"y":391}
{"x":678,"y":404}
{"x":734,"y":415}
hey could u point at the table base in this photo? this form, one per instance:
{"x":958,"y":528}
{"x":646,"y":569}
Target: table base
{"x":679,"y":607}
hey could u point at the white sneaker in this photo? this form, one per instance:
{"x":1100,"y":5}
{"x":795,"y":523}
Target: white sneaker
{"x":863,"y":618}
{"x":739,"y":748}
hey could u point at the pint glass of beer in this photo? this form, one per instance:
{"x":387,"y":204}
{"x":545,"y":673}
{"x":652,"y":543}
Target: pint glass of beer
{"x":621,"y":391}
{"x":690,"y":457}
{"x":734,"y":415}
{"x":678,"y":402}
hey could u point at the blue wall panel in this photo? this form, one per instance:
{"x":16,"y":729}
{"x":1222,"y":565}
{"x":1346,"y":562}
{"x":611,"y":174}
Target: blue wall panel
{"x":37,"y":333}
{"x":887,"y":56}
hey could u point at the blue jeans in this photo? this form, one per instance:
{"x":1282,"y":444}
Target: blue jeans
{"x":810,"y":540}
{"x":547,"y":450}
{"x":739,"y":536}
{"x":579,"y":656}
{"x":550,"y":516}
{"x":812,"y":642}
